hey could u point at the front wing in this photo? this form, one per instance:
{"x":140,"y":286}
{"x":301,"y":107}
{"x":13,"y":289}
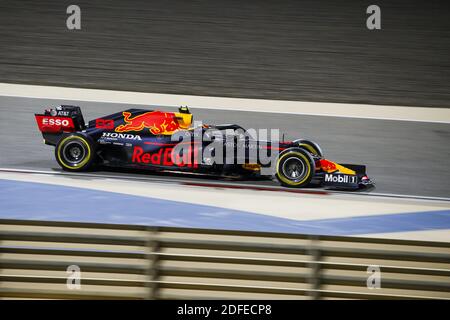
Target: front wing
{"x":343,"y":176}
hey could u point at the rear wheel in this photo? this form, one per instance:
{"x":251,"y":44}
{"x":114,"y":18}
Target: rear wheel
{"x":310,"y":146}
{"x":75,"y":152}
{"x":295,"y":167}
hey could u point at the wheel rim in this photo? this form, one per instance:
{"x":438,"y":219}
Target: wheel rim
{"x":73,"y":153}
{"x":294,"y":169}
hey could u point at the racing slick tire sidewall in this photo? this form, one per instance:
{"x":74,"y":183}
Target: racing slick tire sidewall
{"x":84,"y":144}
{"x":310,"y":146}
{"x":303,"y":157}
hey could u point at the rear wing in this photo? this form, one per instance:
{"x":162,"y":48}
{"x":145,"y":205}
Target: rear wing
{"x":55,"y":122}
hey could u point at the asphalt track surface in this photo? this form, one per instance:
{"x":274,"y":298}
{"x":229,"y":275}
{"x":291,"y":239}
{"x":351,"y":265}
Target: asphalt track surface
{"x":402,"y":157}
{"x":304,"y":50}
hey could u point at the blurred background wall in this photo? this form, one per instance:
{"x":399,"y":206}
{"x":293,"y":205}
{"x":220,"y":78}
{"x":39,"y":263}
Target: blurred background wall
{"x":285,"y":49}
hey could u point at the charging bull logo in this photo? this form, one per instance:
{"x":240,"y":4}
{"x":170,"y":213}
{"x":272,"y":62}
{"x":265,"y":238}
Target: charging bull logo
{"x":156,"y":121}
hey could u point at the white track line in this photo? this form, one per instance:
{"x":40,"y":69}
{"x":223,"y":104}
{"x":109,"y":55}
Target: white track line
{"x":181,"y":180}
{"x":360,"y":111}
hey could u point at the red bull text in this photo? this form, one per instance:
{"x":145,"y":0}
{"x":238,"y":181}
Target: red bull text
{"x":166,"y":157}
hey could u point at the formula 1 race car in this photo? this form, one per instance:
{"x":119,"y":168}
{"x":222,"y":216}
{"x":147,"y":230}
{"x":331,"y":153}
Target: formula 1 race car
{"x":168,"y":141}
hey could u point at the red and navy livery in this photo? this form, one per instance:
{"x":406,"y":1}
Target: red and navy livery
{"x":144,"y":140}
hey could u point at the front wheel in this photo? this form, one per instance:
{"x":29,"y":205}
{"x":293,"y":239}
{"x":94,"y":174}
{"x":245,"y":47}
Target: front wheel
{"x":295,"y":167}
{"x":75,"y":152}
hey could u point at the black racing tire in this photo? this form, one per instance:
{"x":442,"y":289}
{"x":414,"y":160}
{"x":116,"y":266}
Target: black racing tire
{"x":295,"y":167}
{"x":75,"y":152}
{"x":310,"y":146}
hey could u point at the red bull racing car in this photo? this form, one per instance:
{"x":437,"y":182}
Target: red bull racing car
{"x":168,"y":141}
